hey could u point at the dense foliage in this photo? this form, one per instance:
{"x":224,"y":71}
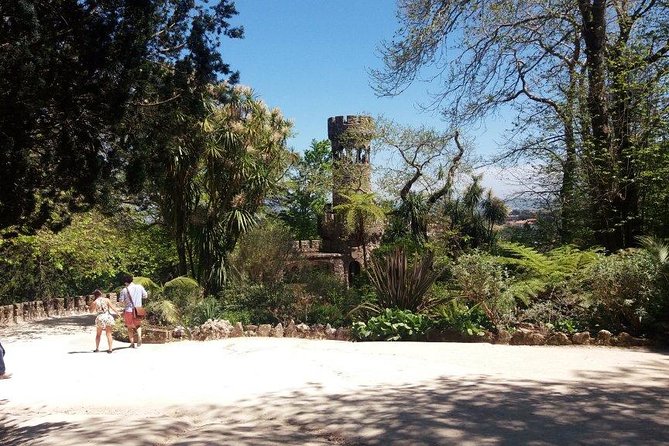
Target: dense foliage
{"x":90,"y":253}
{"x":75,"y":76}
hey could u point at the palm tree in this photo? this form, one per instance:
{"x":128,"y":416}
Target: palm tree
{"x":494,"y":212}
{"x":244,"y":155}
{"x":360,"y":213}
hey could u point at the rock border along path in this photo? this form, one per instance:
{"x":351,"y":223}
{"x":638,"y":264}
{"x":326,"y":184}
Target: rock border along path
{"x":266,"y":391}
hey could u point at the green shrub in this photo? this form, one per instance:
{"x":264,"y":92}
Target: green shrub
{"x":266,"y":304}
{"x":401,"y":282}
{"x":183,"y":291}
{"x":262,"y":254}
{"x":565,"y":312}
{"x":209,"y":308}
{"x":90,"y":253}
{"x":393,"y":325}
{"x":481,"y":281}
{"x":459,"y":317}
{"x":622,"y":287}
{"x":243,"y":316}
{"x":162,"y":312}
{"x":326,"y":299}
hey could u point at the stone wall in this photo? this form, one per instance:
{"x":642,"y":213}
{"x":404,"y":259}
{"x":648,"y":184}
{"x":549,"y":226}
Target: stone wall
{"x":40,"y":309}
{"x":221,"y":329}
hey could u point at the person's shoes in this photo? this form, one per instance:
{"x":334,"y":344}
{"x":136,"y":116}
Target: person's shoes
{"x":132,"y":345}
{"x":5,"y":376}
{"x":139,"y":344}
{"x":96,"y":350}
{"x":109,"y":351}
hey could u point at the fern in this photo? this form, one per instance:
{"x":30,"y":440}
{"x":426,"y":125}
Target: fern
{"x":163,"y":312}
{"x":537,"y":273}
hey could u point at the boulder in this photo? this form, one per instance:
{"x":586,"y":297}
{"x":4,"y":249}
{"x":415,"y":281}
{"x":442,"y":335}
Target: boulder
{"x":625,"y":339}
{"x":303,"y":331}
{"x":343,"y":334}
{"x":237,"y":331}
{"x":156,"y":336}
{"x":502,"y":337}
{"x":18,"y":313}
{"x":291,"y":331}
{"x":179,"y":332}
{"x":264,"y":330}
{"x":558,"y":339}
{"x":520,"y":337}
{"x":537,"y":339}
{"x":582,"y":338}
{"x":604,"y":337}
{"x":330,"y":333}
{"x":7,"y":315}
{"x":277,"y":332}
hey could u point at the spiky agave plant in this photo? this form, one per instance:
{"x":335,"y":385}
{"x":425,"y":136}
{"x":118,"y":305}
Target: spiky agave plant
{"x":401,"y":283}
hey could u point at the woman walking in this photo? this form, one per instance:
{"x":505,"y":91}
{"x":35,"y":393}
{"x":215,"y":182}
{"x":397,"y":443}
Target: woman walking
{"x":104,"y":320}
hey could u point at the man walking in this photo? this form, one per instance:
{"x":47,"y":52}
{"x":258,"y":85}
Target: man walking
{"x":131,"y":296}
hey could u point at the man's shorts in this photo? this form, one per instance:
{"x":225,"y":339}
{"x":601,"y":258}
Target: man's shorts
{"x":130,"y":320}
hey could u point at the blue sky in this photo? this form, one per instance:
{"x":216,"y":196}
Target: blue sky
{"x":311,"y":59}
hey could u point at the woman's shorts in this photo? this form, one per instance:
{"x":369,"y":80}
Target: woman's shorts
{"x":104,"y":320}
{"x":130,"y":320}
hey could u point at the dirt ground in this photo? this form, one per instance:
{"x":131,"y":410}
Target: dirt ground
{"x":266,"y":391}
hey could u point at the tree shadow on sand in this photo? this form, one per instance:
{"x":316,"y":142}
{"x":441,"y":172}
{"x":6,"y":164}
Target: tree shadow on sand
{"x":601,"y":409}
{"x":37,"y":329}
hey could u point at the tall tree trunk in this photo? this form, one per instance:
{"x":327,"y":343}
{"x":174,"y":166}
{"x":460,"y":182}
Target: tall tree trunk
{"x":598,"y":150}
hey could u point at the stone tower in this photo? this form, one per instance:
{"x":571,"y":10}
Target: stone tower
{"x":350,"y":138}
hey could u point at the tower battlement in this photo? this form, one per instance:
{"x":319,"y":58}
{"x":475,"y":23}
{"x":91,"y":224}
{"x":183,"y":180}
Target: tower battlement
{"x":350,"y":137}
{"x":338,"y":125}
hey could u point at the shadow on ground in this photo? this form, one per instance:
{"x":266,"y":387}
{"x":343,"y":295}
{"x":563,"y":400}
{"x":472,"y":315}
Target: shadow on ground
{"x":470,"y":410}
{"x":32,"y":330}
{"x":81,"y":320}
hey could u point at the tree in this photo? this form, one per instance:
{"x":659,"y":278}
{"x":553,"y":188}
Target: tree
{"x":596,"y":67}
{"x":419,"y":177}
{"x":472,"y":217}
{"x":361,"y":215}
{"x":74,"y":75}
{"x":224,"y":173}
{"x":307,"y":190}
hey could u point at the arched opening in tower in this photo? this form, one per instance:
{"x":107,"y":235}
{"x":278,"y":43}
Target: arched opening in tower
{"x":354,"y":269}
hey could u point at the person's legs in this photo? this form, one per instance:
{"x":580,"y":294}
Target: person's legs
{"x":130,"y":325}
{"x":98,"y":333}
{"x":109,"y":338}
{"x":139,"y":334}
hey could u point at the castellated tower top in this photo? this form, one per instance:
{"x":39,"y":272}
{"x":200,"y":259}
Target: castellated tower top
{"x":351,"y":137}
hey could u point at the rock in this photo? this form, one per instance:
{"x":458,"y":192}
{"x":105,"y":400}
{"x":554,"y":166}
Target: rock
{"x":178,"y":332}
{"x":18,"y":313}
{"x":502,"y":337}
{"x":303,"y":330}
{"x":558,"y":339}
{"x":277,"y":332}
{"x":264,"y":330}
{"x":520,"y":337}
{"x":604,"y":337}
{"x":212,"y":329}
{"x":237,"y":331}
{"x":343,"y":334}
{"x":156,"y":336}
{"x":330,"y":333}
{"x":582,"y":338}
{"x":625,"y":339}
{"x":291,"y":331}
{"x":537,"y":339}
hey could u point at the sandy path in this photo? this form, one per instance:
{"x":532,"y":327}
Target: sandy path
{"x":262,"y":391}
